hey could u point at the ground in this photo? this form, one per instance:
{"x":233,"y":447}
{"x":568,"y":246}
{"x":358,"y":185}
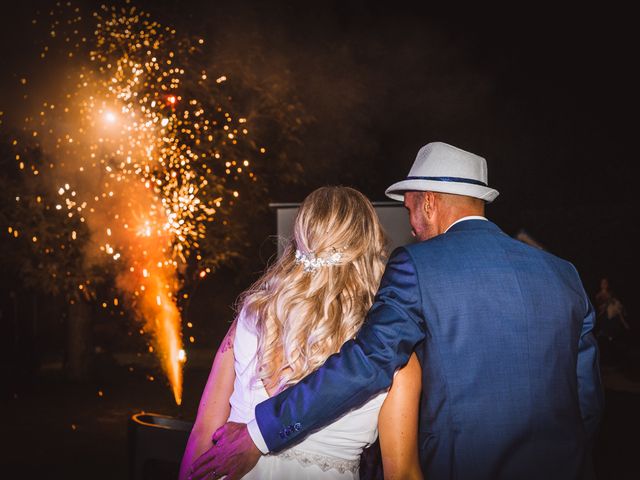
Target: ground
{"x":56,"y":429}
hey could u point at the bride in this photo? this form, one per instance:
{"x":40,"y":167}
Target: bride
{"x":304,"y":307}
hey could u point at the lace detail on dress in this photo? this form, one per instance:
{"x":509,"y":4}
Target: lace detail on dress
{"x":323,"y":461}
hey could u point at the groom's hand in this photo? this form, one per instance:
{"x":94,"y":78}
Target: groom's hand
{"x":233,"y":454}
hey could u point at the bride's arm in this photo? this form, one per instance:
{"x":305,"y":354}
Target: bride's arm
{"x":214,"y":408}
{"x":398,"y":424}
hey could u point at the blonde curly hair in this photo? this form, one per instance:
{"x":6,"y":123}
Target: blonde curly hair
{"x":303,"y":317}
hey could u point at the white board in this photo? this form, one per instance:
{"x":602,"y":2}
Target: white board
{"x":393,"y":217}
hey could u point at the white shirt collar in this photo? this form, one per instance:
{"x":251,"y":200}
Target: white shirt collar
{"x":463,"y":219}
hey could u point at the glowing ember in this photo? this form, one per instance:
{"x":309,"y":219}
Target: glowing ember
{"x":110,"y":117}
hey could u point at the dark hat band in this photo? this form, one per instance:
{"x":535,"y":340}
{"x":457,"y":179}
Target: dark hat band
{"x":451,"y":179}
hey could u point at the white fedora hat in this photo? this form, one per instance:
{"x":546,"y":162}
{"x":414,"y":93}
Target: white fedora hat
{"x":440,"y":167}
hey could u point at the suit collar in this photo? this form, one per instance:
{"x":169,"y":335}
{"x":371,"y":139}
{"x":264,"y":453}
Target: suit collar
{"x":469,"y":217}
{"x":473,"y":224}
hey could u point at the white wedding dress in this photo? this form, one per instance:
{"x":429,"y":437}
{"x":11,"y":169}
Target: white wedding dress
{"x":331,"y":453}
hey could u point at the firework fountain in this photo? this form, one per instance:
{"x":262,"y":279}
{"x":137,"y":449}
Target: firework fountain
{"x":144,"y":153}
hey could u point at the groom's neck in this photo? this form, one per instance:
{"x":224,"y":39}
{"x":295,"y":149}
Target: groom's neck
{"x":454,"y":207}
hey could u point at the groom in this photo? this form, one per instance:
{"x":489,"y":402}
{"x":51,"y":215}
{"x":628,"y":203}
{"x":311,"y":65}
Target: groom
{"x":511,"y":387}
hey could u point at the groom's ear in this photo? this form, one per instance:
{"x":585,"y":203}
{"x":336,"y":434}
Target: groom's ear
{"x":428,"y":204}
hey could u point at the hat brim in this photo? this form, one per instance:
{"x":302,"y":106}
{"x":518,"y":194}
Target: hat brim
{"x":397,"y":190}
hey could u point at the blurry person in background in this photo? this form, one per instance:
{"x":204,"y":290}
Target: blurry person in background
{"x":611,"y":324}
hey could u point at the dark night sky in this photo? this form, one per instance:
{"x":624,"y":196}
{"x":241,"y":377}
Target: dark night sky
{"x":546,"y":95}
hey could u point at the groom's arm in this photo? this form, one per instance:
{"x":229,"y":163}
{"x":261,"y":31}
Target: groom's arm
{"x":362,"y":368}
{"x":589,"y":384}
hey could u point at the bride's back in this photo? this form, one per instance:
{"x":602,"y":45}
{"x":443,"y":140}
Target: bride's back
{"x":332,"y":452}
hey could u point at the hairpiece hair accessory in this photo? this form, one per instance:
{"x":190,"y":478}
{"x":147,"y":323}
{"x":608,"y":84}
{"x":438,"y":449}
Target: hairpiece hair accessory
{"x":311,"y":263}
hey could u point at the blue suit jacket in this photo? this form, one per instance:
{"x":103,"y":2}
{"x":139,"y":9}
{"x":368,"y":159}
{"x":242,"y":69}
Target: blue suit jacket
{"x":511,"y":387}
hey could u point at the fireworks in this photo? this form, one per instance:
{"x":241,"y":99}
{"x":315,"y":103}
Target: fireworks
{"x":144,"y":153}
